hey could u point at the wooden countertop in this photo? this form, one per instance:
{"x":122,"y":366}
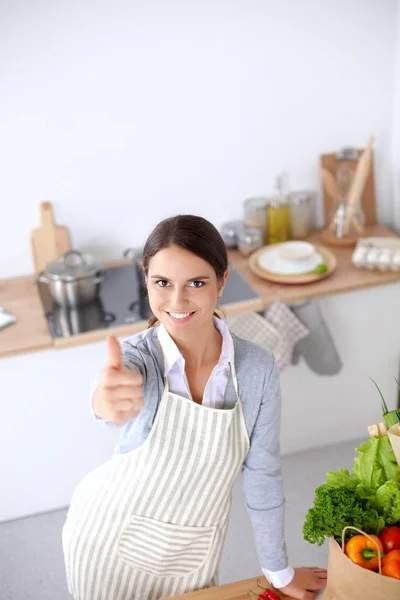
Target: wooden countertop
{"x":346,"y":278}
{"x":230,"y":591}
{"x":29,"y":333}
{"x":20,"y":297}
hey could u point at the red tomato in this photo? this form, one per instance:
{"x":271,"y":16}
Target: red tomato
{"x":392,"y":555}
{"x":390,"y":538}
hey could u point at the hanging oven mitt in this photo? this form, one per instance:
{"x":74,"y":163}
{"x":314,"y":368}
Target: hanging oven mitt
{"x":318,"y":349}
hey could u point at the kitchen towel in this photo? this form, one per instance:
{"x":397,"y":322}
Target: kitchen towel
{"x":254,"y":328}
{"x":318,"y":348}
{"x":291,"y":331}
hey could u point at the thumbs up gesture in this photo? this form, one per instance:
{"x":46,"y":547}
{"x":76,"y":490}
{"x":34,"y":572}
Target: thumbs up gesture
{"x":119,"y":395}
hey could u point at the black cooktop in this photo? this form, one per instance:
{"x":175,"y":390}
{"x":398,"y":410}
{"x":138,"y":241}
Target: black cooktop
{"x":122,"y":300}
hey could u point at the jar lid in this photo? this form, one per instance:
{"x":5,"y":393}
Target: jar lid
{"x":256,"y":202}
{"x":300,"y":197}
{"x":72,"y":266}
{"x":251,"y":234}
{"x":278,"y":202}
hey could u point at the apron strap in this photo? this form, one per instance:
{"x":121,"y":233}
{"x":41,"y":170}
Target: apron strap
{"x":232,"y":371}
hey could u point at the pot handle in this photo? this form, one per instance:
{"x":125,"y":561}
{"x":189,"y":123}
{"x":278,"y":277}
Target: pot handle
{"x":135,"y":254}
{"x":128,"y":253}
{"x":68,"y":253}
{"x":42,"y":277}
{"x":371,"y":540}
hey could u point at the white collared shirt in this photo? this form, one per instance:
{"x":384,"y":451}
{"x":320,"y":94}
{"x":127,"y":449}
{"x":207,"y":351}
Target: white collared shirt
{"x":213,"y":397}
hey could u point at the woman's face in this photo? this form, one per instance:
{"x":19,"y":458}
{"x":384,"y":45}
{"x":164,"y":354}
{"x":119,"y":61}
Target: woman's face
{"x":183,"y":290}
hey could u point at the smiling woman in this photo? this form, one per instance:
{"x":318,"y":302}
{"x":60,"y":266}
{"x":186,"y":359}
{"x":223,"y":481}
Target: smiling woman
{"x":197,"y":406}
{"x":178,"y":248}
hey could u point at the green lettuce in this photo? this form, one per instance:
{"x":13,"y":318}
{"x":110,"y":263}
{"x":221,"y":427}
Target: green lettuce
{"x":342,"y":478}
{"x":376,"y":463}
{"x":387,"y":502}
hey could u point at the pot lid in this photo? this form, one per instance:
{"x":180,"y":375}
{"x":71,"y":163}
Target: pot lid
{"x":73,"y":265}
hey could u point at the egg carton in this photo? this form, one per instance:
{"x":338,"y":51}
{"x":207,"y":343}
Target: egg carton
{"x":380,"y":253}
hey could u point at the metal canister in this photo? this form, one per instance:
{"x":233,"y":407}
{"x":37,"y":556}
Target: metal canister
{"x":255,"y":214}
{"x":230,"y":233}
{"x":250,"y":239}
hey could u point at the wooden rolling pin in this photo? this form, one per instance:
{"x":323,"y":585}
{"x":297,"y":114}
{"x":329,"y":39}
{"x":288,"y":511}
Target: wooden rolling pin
{"x":359,"y":181}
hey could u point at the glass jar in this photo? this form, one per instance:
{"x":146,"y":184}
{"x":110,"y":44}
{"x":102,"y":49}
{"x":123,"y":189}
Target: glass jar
{"x":250,"y":239}
{"x":255,"y":214}
{"x":278,"y":220}
{"x":347,"y":221}
{"x":302,"y":213}
{"x":230,"y":233}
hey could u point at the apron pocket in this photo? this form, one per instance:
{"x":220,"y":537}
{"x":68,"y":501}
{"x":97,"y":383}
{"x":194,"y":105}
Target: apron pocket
{"x":164,"y":548}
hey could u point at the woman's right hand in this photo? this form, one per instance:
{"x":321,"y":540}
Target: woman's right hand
{"x":119,"y":395}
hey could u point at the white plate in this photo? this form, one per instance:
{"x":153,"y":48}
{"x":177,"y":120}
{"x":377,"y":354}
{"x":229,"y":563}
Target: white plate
{"x":272,"y":261}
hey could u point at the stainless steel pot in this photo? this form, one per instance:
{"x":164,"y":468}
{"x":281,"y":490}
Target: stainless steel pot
{"x":73,"y":280}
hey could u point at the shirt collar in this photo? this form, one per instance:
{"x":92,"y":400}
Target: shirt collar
{"x":172,"y":354}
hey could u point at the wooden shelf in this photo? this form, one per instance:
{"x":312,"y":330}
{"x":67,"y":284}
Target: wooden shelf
{"x":346,"y":278}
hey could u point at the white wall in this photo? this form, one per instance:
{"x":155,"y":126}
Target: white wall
{"x":123,"y":113}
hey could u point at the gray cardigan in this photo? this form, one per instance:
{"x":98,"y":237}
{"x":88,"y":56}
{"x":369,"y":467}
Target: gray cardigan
{"x":259,"y":391}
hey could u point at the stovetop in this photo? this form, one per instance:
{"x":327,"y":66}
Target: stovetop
{"x":122,"y":300}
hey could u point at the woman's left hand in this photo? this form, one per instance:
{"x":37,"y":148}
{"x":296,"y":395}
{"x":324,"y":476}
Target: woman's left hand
{"x":305,"y":583}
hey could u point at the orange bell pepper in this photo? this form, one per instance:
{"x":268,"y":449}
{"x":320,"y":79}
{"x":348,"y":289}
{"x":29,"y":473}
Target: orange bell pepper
{"x":392,"y":555}
{"x":363,"y":552}
{"x":392,"y":569}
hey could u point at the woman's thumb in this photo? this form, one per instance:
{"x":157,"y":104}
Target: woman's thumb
{"x":114,"y":353}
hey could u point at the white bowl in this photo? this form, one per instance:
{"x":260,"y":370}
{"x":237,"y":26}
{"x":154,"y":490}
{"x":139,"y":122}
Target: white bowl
{"x":296,"y":250}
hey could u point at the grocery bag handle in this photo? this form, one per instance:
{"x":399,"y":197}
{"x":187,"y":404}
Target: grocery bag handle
{"x":369,"y":537}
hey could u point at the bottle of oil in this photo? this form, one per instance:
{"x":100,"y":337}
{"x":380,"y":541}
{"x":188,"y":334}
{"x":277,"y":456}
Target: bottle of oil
{"x":278,"y":215}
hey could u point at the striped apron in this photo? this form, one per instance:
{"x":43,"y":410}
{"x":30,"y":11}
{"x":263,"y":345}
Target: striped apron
{"x":151,"y":523}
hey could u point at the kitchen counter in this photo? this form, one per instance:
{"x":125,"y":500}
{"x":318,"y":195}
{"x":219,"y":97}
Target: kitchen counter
{"x":238,"y":590}
{"x":30,"y":332}
{"x":346,"y":278}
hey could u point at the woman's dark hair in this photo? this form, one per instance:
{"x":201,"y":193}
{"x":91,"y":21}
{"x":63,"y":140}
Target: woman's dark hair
{"x":192,"y":233}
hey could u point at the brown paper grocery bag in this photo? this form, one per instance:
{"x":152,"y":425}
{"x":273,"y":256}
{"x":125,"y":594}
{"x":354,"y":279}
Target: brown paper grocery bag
{"x":348,"y":581}
{"x":394,"y":437}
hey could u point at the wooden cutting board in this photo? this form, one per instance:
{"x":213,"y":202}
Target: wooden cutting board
{"x":49,"y":241}
{"x":237,"y":590}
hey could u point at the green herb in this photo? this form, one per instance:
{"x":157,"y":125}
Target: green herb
{"x":335,"y":508}
{"x":321,"y":268}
